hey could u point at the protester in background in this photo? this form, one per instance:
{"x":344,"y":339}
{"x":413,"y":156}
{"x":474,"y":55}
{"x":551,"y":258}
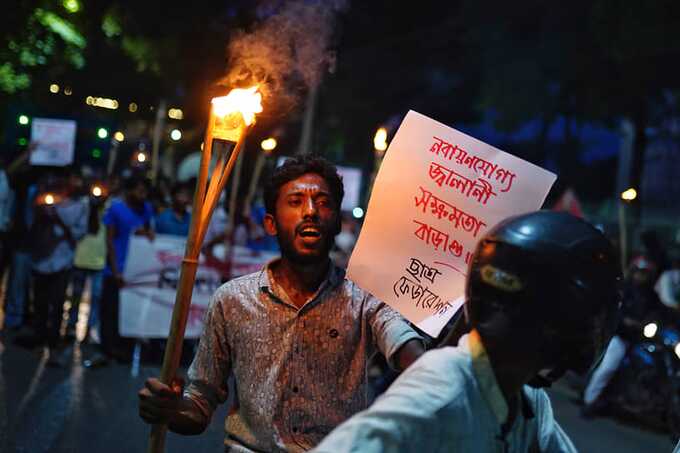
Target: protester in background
{"x":60,"y":221}
{"x":89,"y":262}
{"x":296,"y":335}
{"x":541,"y":299}
{"x":131,"y":215}
{"x":176,"y":219}
{"x":258,"y":240}
{"x":668,"y":284}
{"x":654,"y":252}
{"x":17,"y":308}
{"x":345,"y":241}
{"x":640,"y":302}
{"x":113,"y":189}
{"x":6,"y":209}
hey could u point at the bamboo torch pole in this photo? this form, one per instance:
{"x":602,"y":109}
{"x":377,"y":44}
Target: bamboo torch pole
{"x":205,"y":199}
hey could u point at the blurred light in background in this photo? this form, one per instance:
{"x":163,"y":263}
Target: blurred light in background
{"x":96,"y":153}
{"x":23,"y":120}
{"x":49,"y":199}
{"x":132,"y":107}
{"x":72,"y":6}
{"x":97,"y":191}
{"x":176,"y":134}
{"x":141,"y":157}
{"x":22,"y":141}
{"x":67,"y":91}
{"x":357,"y":212}
{"x":54,"y":88}
{"x":380,"y":139}
{"x":175,"y":114}
{"x":102,"y":132}
{"x":268,"y":144}
{"x":629,"y":194}
{"x":650,"y":330}
{"x":119,"y":136}
{"x":102,"y":102}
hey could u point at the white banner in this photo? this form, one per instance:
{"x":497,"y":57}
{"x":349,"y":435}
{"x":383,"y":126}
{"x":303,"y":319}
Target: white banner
{"x":54,"y":141}
{"x":437,"y":192}
{"x":152,"y":274}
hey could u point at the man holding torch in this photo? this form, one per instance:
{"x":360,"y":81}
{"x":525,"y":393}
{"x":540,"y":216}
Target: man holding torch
{"x":296,"y":335}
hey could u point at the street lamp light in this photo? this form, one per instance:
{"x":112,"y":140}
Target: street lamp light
{"x":268,"y":144}
{"x":380,"y":140}
{"x":629,"y":194}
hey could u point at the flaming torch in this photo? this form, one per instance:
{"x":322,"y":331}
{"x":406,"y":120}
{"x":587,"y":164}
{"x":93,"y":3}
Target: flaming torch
{"x":230,"y":119}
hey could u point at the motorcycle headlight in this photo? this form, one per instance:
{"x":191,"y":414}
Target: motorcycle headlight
{"x":677,"y":350}
{"x":650,"y":330}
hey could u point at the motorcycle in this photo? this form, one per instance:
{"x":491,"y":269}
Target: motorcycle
{"x":647,"y":384}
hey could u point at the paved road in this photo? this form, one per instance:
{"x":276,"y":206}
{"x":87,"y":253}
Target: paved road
{"x":73,"y":410}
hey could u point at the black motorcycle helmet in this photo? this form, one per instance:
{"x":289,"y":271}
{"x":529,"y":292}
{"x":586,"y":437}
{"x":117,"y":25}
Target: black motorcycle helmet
{"x":553,"y":273}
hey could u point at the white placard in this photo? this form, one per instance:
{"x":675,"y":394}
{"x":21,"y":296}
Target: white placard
{"x":54,"y":141}
{"x":437,"y":192}
{"x":152,"y":274}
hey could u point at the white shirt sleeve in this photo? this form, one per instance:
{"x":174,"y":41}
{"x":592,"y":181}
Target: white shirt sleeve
{"x":551,"y":436}
{"x":404,"y":419}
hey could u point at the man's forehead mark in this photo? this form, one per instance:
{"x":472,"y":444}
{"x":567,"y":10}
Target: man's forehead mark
{"x":299,"y":186}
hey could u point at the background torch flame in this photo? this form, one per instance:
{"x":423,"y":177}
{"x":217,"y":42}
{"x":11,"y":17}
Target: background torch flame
{"x":248,"y":101}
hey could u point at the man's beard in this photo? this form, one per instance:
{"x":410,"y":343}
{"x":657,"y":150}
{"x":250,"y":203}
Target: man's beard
{"x":289,"y":252}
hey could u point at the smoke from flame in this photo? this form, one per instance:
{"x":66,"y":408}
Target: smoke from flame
{"x":287,"y":51}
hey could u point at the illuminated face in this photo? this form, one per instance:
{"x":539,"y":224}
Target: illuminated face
{"x":306,"y":219}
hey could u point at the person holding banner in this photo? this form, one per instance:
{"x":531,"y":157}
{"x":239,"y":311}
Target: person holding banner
{"x":175,"y":220}
{"x":541,"y":298}
{"x":131,"y":215}
{"x":296,"y":335}
{"x":60,"y":221}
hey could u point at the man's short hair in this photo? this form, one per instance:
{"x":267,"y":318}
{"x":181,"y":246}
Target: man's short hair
{"x":135,"y":181}
{"x":298,"y":166}
{"x":180,"y":187}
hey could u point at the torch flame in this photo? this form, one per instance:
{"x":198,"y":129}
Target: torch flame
{"x":248,"y":101}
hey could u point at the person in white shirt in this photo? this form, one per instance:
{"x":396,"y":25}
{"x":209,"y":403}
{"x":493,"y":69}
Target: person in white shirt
{"x":541,"y":299}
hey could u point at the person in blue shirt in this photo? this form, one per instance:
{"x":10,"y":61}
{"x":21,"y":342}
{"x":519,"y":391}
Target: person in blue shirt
{"x":130,"y":215}
{"x":176,"y":219}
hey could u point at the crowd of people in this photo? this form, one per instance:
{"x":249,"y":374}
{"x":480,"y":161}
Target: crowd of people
{"x":61,"y":228}
{"x":293,"y":342}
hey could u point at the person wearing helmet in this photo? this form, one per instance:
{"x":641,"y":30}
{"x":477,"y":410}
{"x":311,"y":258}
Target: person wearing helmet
{"x":541,"y":299}
{"x":640,"y":303}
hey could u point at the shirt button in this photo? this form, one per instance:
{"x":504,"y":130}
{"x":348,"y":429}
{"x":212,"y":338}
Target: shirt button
{"x":295,"y":389}
{"x":333,"y":333}
{"x":295,"y":430}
